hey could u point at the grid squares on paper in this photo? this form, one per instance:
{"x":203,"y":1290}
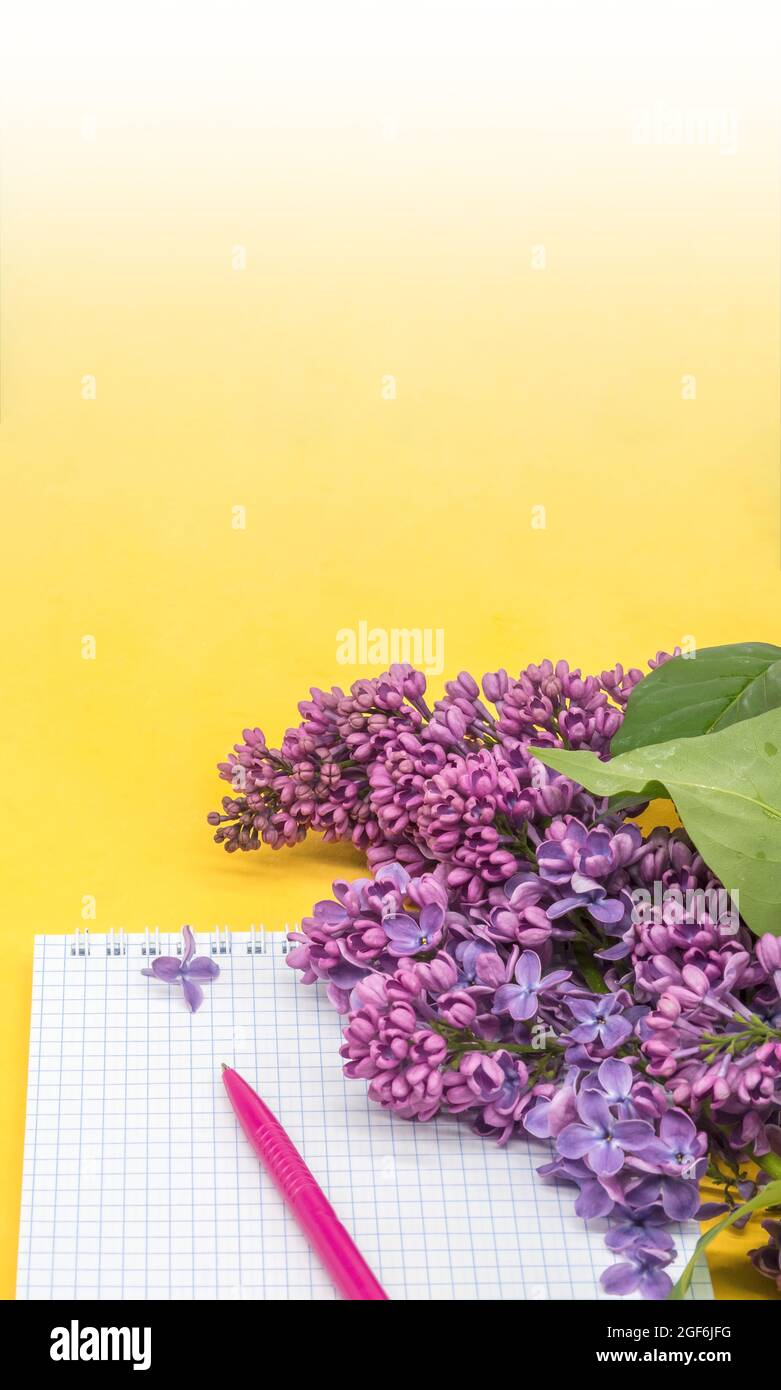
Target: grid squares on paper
{"x":138,"y":1184}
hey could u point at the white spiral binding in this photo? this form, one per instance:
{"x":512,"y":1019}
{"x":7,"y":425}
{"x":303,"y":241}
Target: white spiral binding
{"x":151,"y":946}
{"x":114,"y":943}
{"x":224,"y":943}
{"x":256,"y":946}
{"x":260,"y":942}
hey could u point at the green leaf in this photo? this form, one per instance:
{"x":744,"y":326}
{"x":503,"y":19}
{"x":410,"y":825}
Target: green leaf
{"x":589,"y":969}
{"x":727,"y":791}
{"x":769,"y":1196}
{"x":701,"y":694}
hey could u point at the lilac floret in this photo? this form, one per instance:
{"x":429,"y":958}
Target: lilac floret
{"x":188,"y":970}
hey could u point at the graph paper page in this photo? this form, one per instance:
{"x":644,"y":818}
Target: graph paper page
{"x":139,"y":1184}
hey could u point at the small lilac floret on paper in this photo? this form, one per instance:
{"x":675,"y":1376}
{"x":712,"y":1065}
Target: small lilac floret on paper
{"x":190,"y":971}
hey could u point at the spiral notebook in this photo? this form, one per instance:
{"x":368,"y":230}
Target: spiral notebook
{"x":139,"y":1184}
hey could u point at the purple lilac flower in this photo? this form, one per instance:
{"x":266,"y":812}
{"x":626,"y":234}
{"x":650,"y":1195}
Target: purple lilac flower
{"x":521,"y":999}
{"x":359,"y":764}
{"x":769,"y":957}
{"x":679,"y":1147}
{"x":588,"y":868}
{"x":601,"y":1139}
{"x":640,"y":1271}
{"x":398,"y":783}
{"x":678,"y":1197}
{"x":189,"y":970}
{"x":457,"y":821}
{"x":367,"y":928}
{"x":548,"y":702}
{"x":596,"y":1197}
{"x":638,"y":1229}
{"x":479,"y":964}
{"x":600,"y":1020}
{"x":551,"y":1114}
{"x":401,"y":1057}
{"x":495,"y":1086}
{"x":616,"y":1134}
{"x":459,"y":965}
{"x":616,"y":1081}
{"x":408,"y":935}
{"x":517,"y":913}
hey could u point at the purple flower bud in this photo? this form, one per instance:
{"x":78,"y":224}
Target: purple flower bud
{"x":457,"y":1009}
{"x":495,"y":686}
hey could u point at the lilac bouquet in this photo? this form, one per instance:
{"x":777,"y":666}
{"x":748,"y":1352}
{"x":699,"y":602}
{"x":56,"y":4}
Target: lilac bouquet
{"x":523,"y":955}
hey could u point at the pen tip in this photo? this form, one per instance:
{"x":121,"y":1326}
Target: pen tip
{"x":224,"y":1066}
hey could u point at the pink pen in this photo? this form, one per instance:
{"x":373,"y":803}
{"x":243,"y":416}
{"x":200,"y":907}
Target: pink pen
{"x":308,"y":1203}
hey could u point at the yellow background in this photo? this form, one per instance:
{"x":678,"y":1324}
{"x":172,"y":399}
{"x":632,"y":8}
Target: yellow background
{"x":388,"y":229}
